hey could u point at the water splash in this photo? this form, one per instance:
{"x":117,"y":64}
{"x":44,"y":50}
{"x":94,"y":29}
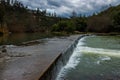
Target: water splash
{"x":80,"y":50}
{"x":73,"y":61}
{"x":115,"y":53}
{"x":103,"y":58}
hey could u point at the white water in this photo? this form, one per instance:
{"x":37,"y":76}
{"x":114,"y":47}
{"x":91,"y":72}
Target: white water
{"x":100,"y":51}
{"x":73,"y":61}
{"x":103,"y":58}
{"x":81,"y":49}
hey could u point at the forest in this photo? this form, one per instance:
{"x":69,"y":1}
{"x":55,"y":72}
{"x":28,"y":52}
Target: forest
{"x":17,"y":18}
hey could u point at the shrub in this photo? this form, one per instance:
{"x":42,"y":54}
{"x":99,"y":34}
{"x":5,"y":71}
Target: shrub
{"x":64,"y":26}
{"x":81,"y":24}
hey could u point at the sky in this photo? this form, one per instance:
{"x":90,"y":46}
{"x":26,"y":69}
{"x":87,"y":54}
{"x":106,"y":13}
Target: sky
{"x":66,"y":7}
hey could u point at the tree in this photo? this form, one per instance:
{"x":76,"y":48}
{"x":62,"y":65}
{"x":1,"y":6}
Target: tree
{"x":116,"y":19}
{"x":64,"y":26}
{"x":81,"y":24}
{"x":2,"y":14}
{"x":74,"y":14}
{"x":99,"y":24}
{"x":8,"y":2}
{"x":116,"y":22}
{"x":70,"y":28}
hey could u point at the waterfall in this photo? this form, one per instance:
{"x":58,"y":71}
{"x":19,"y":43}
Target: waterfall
{"x":91,"y":62}
{"x":61,"y":61}
{"x":73,"y":61}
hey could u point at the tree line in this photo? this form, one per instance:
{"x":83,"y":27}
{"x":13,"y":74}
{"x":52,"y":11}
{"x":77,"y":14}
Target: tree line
{"x":18,"y":18}
{"x":104,"y":22}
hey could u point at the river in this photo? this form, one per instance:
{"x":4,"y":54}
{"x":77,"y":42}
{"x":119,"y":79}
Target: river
{"x":18,"y":38}
{"x":94,"y":58}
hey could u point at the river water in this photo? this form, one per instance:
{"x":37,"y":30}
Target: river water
{"x":18,"y":38}
{"x":94,"y":58}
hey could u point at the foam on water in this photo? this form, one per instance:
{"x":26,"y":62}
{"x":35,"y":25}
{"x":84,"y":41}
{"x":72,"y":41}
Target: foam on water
{"x":75,"y":58}
{"x":80,"y":50}
{"x":100,"y":51}
{"x":73,"y":61}
{"x":103,"y":58}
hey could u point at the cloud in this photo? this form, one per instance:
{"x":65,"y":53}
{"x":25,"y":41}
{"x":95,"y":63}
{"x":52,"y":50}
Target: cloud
{"x":65,"y":7}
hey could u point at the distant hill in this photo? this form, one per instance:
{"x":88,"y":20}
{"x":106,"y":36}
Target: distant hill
{"x":113,"y":10}
{"x":18,"y":18}
{"x":105,"y":21}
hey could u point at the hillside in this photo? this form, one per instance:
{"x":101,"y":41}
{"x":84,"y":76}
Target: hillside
{"x":113,"y":10}
{"x":106,"y":21}
{"x":18,"y":18}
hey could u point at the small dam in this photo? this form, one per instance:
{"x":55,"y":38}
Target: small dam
{"x":41,"y":61}
{"x":52,"y":72}
{"x":93,"y":58}
{"x":75,"y":57}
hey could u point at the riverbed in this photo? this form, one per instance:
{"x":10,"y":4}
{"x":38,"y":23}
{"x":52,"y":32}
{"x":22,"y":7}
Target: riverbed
{"x":94,"y":58}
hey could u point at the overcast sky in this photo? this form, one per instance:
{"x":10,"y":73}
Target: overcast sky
{"x":65,"y":7}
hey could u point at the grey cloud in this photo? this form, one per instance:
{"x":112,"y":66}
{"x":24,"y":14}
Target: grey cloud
{"x":65,"y":7}
{"x":54,"y":3}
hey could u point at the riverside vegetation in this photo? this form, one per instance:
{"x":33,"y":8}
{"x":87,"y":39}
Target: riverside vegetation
{"x":17,"y":18}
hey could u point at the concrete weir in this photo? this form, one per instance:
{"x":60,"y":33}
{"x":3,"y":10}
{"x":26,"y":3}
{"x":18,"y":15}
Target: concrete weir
{"x":61,"y":60}
{"x":41,"y":61}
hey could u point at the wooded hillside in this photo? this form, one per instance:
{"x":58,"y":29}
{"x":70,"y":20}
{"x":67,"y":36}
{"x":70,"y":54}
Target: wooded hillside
{"x":106,"y":21}
{"x":18,"y":18}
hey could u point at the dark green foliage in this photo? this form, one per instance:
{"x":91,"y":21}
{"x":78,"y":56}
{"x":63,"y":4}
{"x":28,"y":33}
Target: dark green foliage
{"x":20,"y":19}
{"x":60,"y":26}
{"x":64,"y":26}
{"x":70,"y":27}
{"x":116,"y":19}
{"x":55,"y":28}
{"x":116,"y":22}
{"x":81,"y":24}
{"x":111,"y":11}
{"x":2,"y":14}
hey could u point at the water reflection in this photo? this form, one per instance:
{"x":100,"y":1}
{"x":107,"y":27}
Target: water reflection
{"x":3,"y":39}
{"x":16,"y":39}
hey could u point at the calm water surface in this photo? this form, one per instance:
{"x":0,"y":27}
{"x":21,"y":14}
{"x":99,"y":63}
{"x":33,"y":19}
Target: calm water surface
{"x":15,"y":39}
{"x":95,"y":58}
